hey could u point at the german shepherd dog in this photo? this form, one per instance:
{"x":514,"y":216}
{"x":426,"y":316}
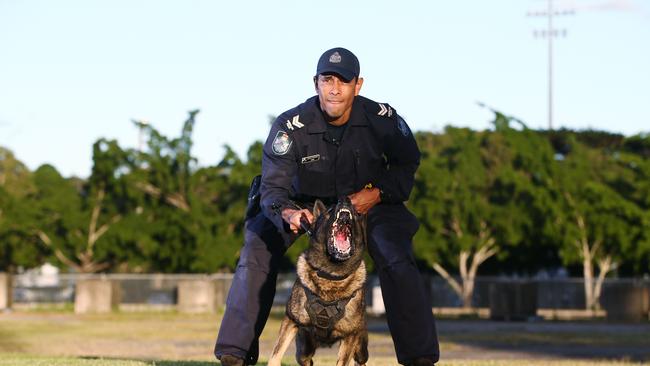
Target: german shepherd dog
{"x":327,"y":302}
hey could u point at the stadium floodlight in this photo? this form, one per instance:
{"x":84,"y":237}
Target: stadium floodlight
{"x":550,"y":32}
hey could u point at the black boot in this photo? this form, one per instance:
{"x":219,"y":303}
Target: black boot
{"x":422,"y":361}
{"x":229,"y":360}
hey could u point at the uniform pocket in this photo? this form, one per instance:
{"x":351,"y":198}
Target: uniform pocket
{"x":314,"y":174}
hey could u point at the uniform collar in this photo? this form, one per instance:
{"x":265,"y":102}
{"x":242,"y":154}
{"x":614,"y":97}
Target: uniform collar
{"x":319,"y":125}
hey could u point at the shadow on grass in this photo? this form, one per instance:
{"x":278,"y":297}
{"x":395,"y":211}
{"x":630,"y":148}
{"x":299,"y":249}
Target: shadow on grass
{"x":8,"y":344}
{"x":563,"y":340}
{"x":193,"y":363}
{"x":186,"y":363}
{"x":539,"y":339}
{"x":163,"y":363}
{"x":155,"y":362}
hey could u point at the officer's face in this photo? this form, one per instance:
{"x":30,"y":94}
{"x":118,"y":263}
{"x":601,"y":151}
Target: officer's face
{"x":336,"y":96}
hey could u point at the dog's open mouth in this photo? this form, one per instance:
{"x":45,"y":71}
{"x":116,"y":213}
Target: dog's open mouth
{"x":340,"y":237}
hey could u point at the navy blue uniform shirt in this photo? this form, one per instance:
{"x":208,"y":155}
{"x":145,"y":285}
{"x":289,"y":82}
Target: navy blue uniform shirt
{"x":302,"y":163}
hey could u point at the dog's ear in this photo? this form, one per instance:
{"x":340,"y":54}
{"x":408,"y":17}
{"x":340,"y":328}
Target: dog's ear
{"x":319,"y":209}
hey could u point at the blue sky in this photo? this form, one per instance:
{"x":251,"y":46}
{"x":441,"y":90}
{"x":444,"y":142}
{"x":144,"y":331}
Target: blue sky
{"x":74,"y":71}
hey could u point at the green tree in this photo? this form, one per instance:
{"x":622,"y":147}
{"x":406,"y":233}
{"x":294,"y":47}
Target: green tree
{"x":162,"y":173}
{"x":599,"y":224}
{"x":195,"y":214}
{"x":451,"y":199}
{"x":74,"y":217}
{"x":222,"y":191}
{"x":481,"y":195}
{"x":15,"y":178}
{"x":15,"y":215}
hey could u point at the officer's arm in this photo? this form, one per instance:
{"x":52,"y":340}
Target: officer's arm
{"x":403,"y":158}
{"x":278,"y":170}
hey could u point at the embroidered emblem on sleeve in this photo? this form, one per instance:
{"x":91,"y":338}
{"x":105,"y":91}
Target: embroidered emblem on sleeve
{"x":403,"y":128}
{"x":281,"y":143}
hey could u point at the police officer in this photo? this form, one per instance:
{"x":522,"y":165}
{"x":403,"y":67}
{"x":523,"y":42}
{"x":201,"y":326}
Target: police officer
{"x":335,"y":144}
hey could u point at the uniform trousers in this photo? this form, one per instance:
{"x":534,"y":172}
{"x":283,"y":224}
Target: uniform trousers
{"x":408,"y":306}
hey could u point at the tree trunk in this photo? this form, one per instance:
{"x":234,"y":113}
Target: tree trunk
{"x":486,"y":249}
{"x":450,"y":280}
{"x":588,"y":253}
{"x":468,"y":292}
{"x":588,"y":274}
{"x":86,"y":261}
{"x":605,"y":265}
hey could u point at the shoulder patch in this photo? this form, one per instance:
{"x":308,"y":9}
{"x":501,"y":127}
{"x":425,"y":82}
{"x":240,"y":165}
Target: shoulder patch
{"x":294,"y":123}
{"x":281,"y":143}
{"x":385,"y":110}
{"x":402,"y":126}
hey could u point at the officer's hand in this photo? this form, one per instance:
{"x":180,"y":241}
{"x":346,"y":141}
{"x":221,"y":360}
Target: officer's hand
{"x":365,"y":199}
{"x":292,"y":217}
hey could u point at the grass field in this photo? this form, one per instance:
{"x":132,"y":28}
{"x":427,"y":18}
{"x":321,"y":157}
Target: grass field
{"x":171,"y":339}
{"x":70,"y":361}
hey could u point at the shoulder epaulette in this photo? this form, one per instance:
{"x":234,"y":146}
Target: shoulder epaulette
{"x":384,"y":110}
{"x":375,"y":109}
{"x":292,"y":119}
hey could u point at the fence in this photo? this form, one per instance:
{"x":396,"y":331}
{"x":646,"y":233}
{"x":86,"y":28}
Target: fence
{"x":134,"y":291}
{"x":627,"y":299}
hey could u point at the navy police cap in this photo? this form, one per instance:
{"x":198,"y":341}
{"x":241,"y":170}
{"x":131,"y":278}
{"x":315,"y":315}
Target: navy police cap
{"x":339,"y":61}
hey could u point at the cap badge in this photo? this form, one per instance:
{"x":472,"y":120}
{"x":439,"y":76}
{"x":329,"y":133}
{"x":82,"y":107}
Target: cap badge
{"x":335,"y":58}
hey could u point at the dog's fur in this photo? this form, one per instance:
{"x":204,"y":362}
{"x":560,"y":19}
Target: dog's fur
{"x":332,"y":280}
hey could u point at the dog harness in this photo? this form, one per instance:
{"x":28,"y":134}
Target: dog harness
{"x":324,"y":314}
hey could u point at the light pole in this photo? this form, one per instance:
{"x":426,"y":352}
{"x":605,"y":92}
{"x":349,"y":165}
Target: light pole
{"x":550,"y":33}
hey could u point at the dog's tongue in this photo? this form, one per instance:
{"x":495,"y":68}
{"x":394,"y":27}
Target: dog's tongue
{"x":342,"y":242}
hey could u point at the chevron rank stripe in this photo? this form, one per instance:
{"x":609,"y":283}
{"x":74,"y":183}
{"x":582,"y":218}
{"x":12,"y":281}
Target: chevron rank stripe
{"x":295,"y":121}
{"x":383,"y":110}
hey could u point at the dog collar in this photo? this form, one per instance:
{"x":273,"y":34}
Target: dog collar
{"x":328,"y":276}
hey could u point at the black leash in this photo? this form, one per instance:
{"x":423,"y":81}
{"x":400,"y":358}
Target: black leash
{"x":304,"y":224}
